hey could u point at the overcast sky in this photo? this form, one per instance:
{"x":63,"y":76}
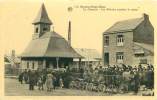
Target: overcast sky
{"x":16,"y":17}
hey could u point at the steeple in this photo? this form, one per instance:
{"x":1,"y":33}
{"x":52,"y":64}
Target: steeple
{"x":42,"y":23}
{"x":69,"y":33}
{"x":145,"y":16}
{"x":42,"y":16}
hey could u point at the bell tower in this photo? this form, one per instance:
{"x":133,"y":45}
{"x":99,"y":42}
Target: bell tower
{"x":42,"y":23}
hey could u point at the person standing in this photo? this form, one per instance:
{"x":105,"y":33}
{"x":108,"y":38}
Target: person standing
{"x":41,"y":83}
{"x":54,"y":82}
{"x":137,"y":82}
{"x":21,"y":78}
{"x":126,"y":79}
{"x":49,"y":83}
{"x":25,"y":76}
{"x":31,"y":80}
{"x":150,"y":78}
{"x":61,"y":83}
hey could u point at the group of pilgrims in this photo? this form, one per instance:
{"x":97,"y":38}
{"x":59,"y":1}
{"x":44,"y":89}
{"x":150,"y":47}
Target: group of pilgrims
{"x":40,"y":79}
{"x":109,"y":79}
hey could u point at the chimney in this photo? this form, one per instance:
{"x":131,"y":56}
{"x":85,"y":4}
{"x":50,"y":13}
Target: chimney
{"x":13,"y":54}
{"x":69,"y":33}
{"x":145,"y":16}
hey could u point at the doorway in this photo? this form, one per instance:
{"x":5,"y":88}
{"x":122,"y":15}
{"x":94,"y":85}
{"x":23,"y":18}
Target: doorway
{"x":106,"y":58}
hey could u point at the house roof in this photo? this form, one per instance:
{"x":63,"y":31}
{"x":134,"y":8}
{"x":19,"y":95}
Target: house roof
{"x":10,"y":59}
{"x":149,"y":47}
{"x":125,"y":25}
{"x":88,"y":54}
{"x":50,"y":44}
{"x":142,"y":48}
{"x":42,"y":16}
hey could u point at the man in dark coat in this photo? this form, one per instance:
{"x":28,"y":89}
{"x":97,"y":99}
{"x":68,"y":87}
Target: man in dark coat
{"x":21,"y":78}
{"x":150,"y":79}
{"x":137,"y":82}
{"x":25,"y":75}
{"x":54,"y":82}
{"x":31,"y":80}
{"x":36,"y":77}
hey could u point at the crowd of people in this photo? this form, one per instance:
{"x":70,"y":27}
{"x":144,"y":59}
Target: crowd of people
{"x":117,"y":79}
{"x":113,"y":79}
{"x":41,"y":78}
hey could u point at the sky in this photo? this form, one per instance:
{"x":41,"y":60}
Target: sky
{"x":16,"y":17}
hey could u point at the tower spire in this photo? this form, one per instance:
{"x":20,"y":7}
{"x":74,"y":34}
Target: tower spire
{"x":69,"y":33}
{"x":42,"y":16}
{"x":42,"y":23}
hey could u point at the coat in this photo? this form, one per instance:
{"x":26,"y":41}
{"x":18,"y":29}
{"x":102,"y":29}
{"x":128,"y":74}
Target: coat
{"x":32,"y":78}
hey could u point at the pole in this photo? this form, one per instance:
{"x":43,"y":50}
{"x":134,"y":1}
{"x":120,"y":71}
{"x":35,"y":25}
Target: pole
{"x":79,"y":63}
{"x":57,"y":59}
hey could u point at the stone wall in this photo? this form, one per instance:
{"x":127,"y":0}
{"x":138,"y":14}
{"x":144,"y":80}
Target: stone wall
{"x":127,"y":48}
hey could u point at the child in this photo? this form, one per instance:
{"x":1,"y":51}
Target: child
{"x":40,"y":84}
{"x":61,"y":83}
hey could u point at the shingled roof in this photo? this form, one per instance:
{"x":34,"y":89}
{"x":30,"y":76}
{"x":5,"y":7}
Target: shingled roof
{"x":125,"y":25}
{"x":42,"y":16}
{"x":50,"y":44}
